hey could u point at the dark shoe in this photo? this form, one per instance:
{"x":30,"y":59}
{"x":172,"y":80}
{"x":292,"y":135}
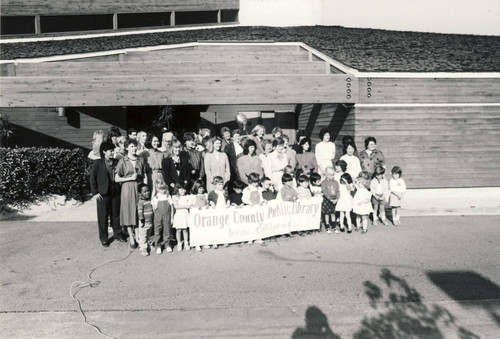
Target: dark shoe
{"x":104,"y":244}
{"x":120,"y":238}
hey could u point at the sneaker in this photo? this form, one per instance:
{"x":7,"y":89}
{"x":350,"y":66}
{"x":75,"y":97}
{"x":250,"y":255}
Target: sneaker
{"x":158,"y":250}
{"x":250,"y":242}
{"x":187,"y":247}
{"x":144,"y":252}
{"x":364,"y":231}
{"x":215,"y":247}
{"x":259,"y":241}
{"x":337,"y":231}
{"x":207,"y":247}
{"x":169,"y":249}
{"x":179,"y":248}
{"x":226,"y":245}
{"x":329,"y":231}
{"x":198,"y":249}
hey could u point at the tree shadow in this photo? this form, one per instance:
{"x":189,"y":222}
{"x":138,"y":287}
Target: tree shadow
{"x":402,"y":314}
{"x":316,"y":327}
{"x":469,"y":289}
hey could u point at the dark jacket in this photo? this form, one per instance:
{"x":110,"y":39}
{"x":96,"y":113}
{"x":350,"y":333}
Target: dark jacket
{"x":100,"y":180}
{"x":231,"y":155}
{"x":170,"y":172}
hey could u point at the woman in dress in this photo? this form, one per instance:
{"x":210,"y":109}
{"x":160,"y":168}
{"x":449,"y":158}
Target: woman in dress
{"x":216,"y":164}
{"x":249,"y":162}
{"x":306,"y":159}
{"x":325,"y":151}
{"x":154,"y":160}
{"x":176,"y":168}
{"x":371,"y":157}
{"x":130,"y":171}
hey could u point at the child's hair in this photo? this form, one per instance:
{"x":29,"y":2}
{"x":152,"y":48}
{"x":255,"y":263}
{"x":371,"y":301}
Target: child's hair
{"x":253,"y":178}
{"x":364,"y":175}
{"x":298,"y":173}
{"x":302,"y":178}
{"x":286,"y":178}
{"x":364,"y":182}
{"x":342,"y":164}
{"x":288,"y":169}
{"x":196,"y":186}
{"x":315,"y":178}
{"x":238,"y":184}
{"x":264,"y":179}
{"x":278,"y":141}
{"x":179,"y":186}
{"x":141,"y":186}
{"x":379,"y":170}
{"x":285,"y":137}
{"x":160,"y":183}
{"x":276,"y":130}
{"x":217,"y":180}
{"x":329,"y":170}
{"x":346,"y":177}
{"x":398,"y":170}
{"x":265,"y":142}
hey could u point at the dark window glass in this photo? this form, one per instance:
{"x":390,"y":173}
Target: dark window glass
{"x":143,"y":19}
{"x":193,"y":18}
{"x":229,"y":15}
{"x":17,"y":25}
{"x":71,"y":23}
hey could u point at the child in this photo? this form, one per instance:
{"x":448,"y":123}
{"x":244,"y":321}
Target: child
{"x":397,"y":187}
{"x":182,"y":203}
{"x":379,"y":188}
{"x":330,"y":190}
{"x":163,"y":215}
{"x":303,"y":191}
{"x":289,"y":170}
{"x":315,"y":180}
{"x":340,"y":168}
{"x":268,"y":190}
{"x":362,"y":205}
{"x":235,"y":198}
{"x":145,"y":212}
{"x":344,"y":205}
{"x":218,"y":198}
{"x":287,"y":192}
{"x":200,"y":198}
{"x":252,"y":195}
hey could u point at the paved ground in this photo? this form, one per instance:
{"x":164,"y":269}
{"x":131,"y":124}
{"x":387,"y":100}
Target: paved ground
{"x":433,"y":277}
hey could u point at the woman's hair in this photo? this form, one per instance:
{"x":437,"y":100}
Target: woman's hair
{"x":149,"y":140}
{"x":315,"y":177}
{"x":130,"y":141}
{"x":188,"y":136}
{"x":322,"y":133}
{"x":180,"y":185}
{"x":276,"y":130}
{"x":346,"y":177}
{"x":131,"y":130}
{"x":302,"y":178}
{"x":204,"y":132}
{"x":105,"y":146}
{"x":253,"y":178}
{"x":214,"y":139}
{"x":238,"y":184}
{"x":346,"y":139}
{"x":139,"y":134}
{"x":235,"y":131}
{"x":196,"y":185}
{"x":176,"y":143}
{"x":97,"y":139}
{"x":224,"y":129}
{"x":285,"y":137}
{"x":217,"y":180}
{"x":258,"y":128}
{"x":121,"y":140}
{"x":302,"y":142}
{"x":278,"y":141}
{"x":347,"y":144}
{"x":300,"y":133}
{"x":113,"y":131}
{"x":266,"y":142}
{"x":367,"y":141}
{"x":342,"y":164}
{"x":398,"y":170}
{"x":286,"y":178}
{"x":247,"y":145}
{"x":379,"y":170}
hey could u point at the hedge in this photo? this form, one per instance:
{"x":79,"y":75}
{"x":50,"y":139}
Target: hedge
{"x":29,"y":174}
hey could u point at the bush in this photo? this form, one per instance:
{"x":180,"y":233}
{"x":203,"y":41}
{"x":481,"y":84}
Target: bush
{"x":29,"y":174}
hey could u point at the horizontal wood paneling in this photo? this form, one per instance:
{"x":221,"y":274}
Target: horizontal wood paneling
{"x":172,"y":90}
{"x":104,"y":69}
{"x":215,"y":55}
{"x":429,"y":90}
{"x":61,"y":7}
{"x":42,"y":126}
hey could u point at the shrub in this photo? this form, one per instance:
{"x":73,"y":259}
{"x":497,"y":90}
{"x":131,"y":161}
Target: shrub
{"x":29,"y":174}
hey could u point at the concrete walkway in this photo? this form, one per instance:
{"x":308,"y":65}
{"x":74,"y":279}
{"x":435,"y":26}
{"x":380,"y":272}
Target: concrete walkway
{"x":418,"y":202}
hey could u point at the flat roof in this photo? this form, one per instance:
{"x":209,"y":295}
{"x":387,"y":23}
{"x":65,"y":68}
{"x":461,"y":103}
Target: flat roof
{"x":367,"y":50}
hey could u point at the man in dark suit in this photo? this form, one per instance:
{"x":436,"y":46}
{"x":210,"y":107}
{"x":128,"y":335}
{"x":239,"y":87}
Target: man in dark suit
{"x":106,"y":192}
{"x":234,"y":151}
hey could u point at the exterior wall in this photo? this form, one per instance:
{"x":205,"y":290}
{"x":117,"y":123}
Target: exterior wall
{"x":436,"y":146}
{"x":446,"y":16}
{"x":42,"y":126}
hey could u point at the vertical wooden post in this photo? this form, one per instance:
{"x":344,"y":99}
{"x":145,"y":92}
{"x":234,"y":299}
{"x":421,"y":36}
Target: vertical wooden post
{"x":327,"y":69}
{"x":38,"y":29}
{"x":115,"y":20}
{"x":122,"y":57}
{"x":310,"y":56}
{"x":219,"y":16}
{"x":172,"y":18}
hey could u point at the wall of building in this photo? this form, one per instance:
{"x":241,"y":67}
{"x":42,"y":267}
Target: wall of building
{"x":445,"y":16}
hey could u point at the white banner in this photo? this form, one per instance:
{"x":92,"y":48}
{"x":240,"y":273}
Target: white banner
{"x":233,"y":224}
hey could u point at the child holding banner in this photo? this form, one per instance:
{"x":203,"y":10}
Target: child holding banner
{"x":218,"y":198}
{"x":268,"y":190}
{"x":303,"y":191}
{"x":235,"y":198}
{"x":330,"y":190}
{"x":287,"y":192}
{"x":252,"y":195}
{"x":200,"y":198}
{"x":182,"y":203}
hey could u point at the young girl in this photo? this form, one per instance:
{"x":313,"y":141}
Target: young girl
{"x":200,"y":198}
{"x":289,"y":170}
{"x":303,"y":191}
{"x":252,"y":195}
{"x":379,"y":188}
{"x":397,"y":187}
{"x":182,"y":203}
{"x":361,"y":204}
{"x":235,"y":197}
{"x":344,"y":205}
{"x":287,"y":192}
{"x":218,"y":198}
{"x":163,"y":215}
{"x":268,"y":190}
{"x":315,"y":180}
{"x":340,"y":168}
{"x":330,"y":190}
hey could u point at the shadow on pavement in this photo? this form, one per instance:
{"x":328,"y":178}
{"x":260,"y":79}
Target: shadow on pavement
{"x":402,"y":314}
{"x":316,"y":326}
{"x":469,"y":289}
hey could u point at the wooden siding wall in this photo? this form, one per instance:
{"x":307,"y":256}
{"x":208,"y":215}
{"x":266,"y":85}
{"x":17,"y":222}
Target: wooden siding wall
{"x":77,"y":7}
{"x":44,"y":127}
{"x":436,"y":146}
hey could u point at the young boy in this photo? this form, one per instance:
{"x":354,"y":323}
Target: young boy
{"x":330,"y":190}
{"x":288,"y":193}
{"x":132,"y":133}
{"x":235,"y":197}
{"x":303,"y":191}
{"x":251,"y":194}
{"x":268,"y":190}
{"x":145,"y":212}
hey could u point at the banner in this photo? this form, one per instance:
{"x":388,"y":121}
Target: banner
{"x":237,"y":224}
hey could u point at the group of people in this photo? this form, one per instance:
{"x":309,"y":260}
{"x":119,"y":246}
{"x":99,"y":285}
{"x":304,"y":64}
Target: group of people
{"x":146,"y":184}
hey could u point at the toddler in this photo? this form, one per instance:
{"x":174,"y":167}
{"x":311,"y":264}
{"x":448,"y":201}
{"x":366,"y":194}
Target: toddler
{"x":287,"y":192}
{"x":340,"y":168}
{"x":344,"y":205}
{"x":235,"y":198}
{"x":379,"y":188}
{"x":200,"y":197}
{"x":330,"y":190}
{"x":145,"y":212}
{"x":182,"y":203}
{"x":361,"y":204}
{"x":315,"y":180}
{"x":163,"y":214}
{"x":252,"y":195}
{"x":268,"y":190}
{"x":397,"y":188}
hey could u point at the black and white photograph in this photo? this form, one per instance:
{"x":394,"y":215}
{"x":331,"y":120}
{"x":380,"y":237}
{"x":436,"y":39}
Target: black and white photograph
{"x":296,"y":169}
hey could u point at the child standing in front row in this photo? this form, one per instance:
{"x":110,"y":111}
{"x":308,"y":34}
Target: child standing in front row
{"x":199,"y":198}
{"x":235,"y":198}
{"x":145,"y":213}
{"x":362,"y":204}
{"x":303,"y":191}
{"x":330,"y":190}
{"x":182,"y":203}
{"x":344,"y":205}
{"x":287,"y":192}
{"x":268,"y":190}
{"x":163,"y":215}
{"x":218,"y":198}
{"x":315,"y":180}
{"x":252,"y":195}
{"x":379,"y":188}
{"x":397,"y":187}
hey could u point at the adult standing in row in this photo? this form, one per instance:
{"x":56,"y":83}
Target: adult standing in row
{"x":371,"y":157}
{"x":130,"y":171}
{"x":305,"y":158}
{"x":258,"y":133}
{"x":325,"y":151}
{"x":154,"y":160}
{"x":216,"y":164}
{"x":226,"y":137}
{"x":249,"y":162}
{"x":278,"y":162}
{"x":352,"y":161}
{"x":194,"y":157}
{"x":167,"y":139}
{"x":234,"y":151}
{"x":176,"y":168}
{"x":267,"y":145}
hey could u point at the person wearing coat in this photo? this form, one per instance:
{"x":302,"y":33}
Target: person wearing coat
{"x":176,"y":168}
{"x":216,"y":164}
